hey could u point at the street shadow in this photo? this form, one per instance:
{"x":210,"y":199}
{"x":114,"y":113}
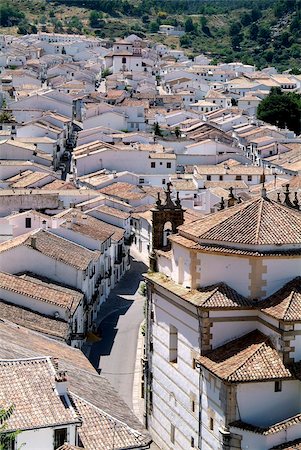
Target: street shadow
{"x":108,"y":330}
{"x":129,"y":283}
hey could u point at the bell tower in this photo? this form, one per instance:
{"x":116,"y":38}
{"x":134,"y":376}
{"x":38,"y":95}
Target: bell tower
{"x":168,"y":212}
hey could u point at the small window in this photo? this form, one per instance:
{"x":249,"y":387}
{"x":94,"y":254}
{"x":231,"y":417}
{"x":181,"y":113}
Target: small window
{"x":211,"y":424}
{"x":168,"y":165}
{"x":123,"y":60}
{"x":249,"y":177}
{"x":163,"y":181}
{"x":208,"y":177}
{"x":153,"y":165}
{"x":28,"y":222}
{"x":192,"y":442}
{"x":221,"y":178}
{"x":173,"y":344}
{"x":192,"y":405}
{"x":11,"y":445}
{"x":60,"y":437}
{"x":238,"y":177}
{"x":278,"y":386}
{"x":172,"y":433}
{"x":141,"y":180}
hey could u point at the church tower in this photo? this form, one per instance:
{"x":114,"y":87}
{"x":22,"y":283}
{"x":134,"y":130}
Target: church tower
{"x":170,"y":212}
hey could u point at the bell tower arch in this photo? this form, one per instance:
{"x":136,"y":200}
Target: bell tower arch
{"x":168,"y":212}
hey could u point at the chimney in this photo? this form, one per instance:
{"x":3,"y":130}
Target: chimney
{"x":55,"y":362}
{"x":33,"y":242}
{"x":73,"y":218}
{"x":61,"y":382}
{"x":69,"y":223}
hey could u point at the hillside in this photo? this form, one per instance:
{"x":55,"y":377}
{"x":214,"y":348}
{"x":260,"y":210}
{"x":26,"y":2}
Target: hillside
{"x":261,"y":32}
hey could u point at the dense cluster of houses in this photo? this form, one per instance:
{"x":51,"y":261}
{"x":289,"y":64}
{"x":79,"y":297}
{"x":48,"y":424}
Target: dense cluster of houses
{"x":93,"y":135}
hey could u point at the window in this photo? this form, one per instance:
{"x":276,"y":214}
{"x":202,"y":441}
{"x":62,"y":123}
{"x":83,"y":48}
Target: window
{"x":10,"y":445}
{"x":238,"y":177}
{"x":141,"y":180}
{"x":278,"y":386}
{"x":153,"y":165}
{"x":221,"y":178}
{"x":173,"y":344}
{"x":161,"y":163}
{"x":168,"y":165}
{"x":208,"y":177}
{"x":60,"y":437}
{"x":163,"y":181}
{"x":28,"y":222}
{"x":123,"y":60}
{"x":172,"y":433}
{"x":249,"y":177}
{"x":192,"y":442}
{"x":192,"y":405}
{"x":211,"y":424}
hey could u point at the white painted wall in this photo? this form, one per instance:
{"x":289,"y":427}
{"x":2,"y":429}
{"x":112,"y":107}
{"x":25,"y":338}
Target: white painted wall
{"x":260,"y":405}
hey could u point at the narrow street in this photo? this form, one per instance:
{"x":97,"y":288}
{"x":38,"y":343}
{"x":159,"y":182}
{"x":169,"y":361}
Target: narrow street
{"x":115,"y":354}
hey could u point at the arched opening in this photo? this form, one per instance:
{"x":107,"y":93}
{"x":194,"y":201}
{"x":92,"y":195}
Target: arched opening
{"x":167,"y":230}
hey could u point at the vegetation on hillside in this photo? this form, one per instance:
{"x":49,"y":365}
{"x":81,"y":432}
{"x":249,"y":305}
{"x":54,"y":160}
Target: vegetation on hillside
{"x":260,"y":32}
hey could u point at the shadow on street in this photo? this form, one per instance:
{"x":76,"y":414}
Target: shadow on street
{"x":118,"y":303}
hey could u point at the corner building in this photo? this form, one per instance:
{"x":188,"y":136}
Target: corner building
{"x":223,"y":341}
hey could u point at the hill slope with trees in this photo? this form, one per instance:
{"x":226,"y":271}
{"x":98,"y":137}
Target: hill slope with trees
{"x":260,"y":32}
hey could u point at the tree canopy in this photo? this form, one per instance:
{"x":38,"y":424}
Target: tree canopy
{"x":6,"y":438}
{"x":281,"y":109}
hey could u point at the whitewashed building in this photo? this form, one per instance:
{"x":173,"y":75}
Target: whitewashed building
{"x":223,"y":314}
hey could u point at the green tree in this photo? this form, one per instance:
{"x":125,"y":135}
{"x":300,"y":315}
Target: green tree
{"x":157,"y":129}
{"x":6,"y":117}
{"x":153,"y":27}
{"x":253,"y":31}
{"x":246,"y":19}
{"x":95,"y":19}
{"x":6,"y":438}
{"x":281,"y":109}
{"x":9,"y":15}
{"x":177,"y":132}
{"x":234,"y":29}
{"x":189,"y":26}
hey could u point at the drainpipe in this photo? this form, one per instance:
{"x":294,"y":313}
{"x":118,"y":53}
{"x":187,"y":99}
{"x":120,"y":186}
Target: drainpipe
{"x":200,"y":439}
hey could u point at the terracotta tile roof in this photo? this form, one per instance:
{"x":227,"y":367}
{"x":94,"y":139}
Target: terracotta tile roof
{"x":84,"y":381}
{"x":67,"y":446}
{"x":29,"y":385}
{"x":219,"y":296}
{"x":33,"y":320}
{"x":54,"y":247}
{"x":58,"y":185}
{"x":285,"y":304}
{"x":276,"y":428}
{"x":99,"y":430}
{"x":291,"y":445}
{"x":226,"y":184}
{"x":90,"y":226}
{"x":259,"y":221}
{"x":248,"y":358}
{"x":124,"y":191}
{"x":113,"y":212}
{"x":184,"y":185}
{"x":40,"y":291}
